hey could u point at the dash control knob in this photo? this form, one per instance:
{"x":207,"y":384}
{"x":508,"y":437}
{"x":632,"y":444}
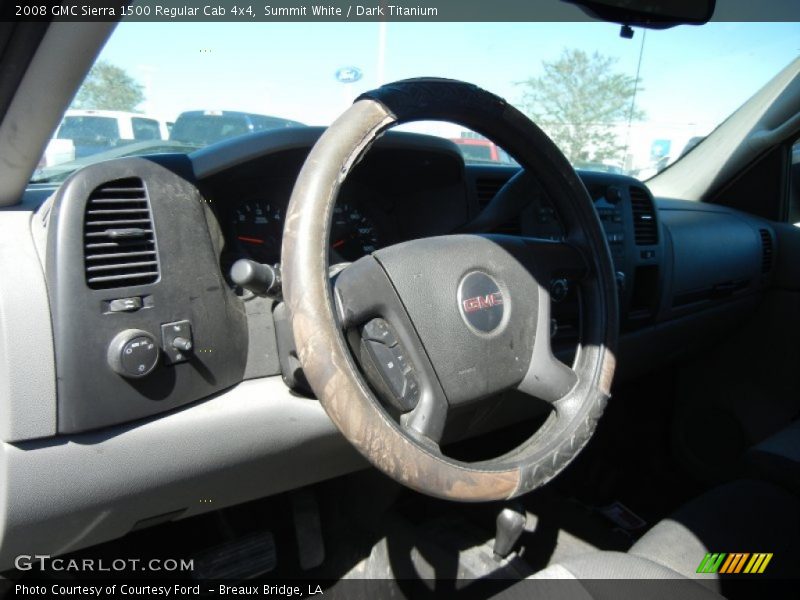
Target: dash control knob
{"x":182,"y":344}
{"x":133,"y":353}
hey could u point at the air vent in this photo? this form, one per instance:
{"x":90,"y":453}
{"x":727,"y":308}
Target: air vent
{"x":486,"y":189}
{"x":644,"y":218}
{"x":766,"y":250}
{"x":119,"y":243}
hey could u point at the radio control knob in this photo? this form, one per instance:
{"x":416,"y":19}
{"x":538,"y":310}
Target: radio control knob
{"x":133,"y":353}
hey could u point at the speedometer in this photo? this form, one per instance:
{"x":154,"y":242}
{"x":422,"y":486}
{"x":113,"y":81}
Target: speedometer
{"x":353,"y":234}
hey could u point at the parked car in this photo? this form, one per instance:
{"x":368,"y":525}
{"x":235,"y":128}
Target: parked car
{"x":599,"y":167}
{"x":93,"y":131}
{"x":482,"y":150}
{"x":57,"y":152}
{"x":205,"y":127}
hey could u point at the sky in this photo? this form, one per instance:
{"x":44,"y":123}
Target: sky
{"x":692,"y":77}
{"x":287,"y":69}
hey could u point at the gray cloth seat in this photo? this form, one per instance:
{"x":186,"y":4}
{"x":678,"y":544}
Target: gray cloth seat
{"x":777,"y":458}
{"x":610,"y":576}
{"x":742,"y":516}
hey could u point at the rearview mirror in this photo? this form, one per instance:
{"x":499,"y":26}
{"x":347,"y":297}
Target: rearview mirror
{"x":656,"y":14}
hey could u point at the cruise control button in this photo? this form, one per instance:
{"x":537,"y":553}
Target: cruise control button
{"x":411,"y":395}
{"x":400,"y":356}
{"x":379,"y":330}
{"x":391,"y":370}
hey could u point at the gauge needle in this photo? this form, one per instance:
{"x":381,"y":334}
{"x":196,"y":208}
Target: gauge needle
{"x":251,"y":240}
{"x":338,"y":243}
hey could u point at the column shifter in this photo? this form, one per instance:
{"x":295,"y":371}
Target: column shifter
{"x":261,"y":279}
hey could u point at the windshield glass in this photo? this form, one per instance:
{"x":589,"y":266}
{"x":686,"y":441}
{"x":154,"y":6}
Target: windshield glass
{"x":612,"y":104}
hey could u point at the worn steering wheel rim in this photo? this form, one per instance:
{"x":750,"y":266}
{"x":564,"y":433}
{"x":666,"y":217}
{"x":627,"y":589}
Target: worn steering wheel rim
{"x":403,"y":453}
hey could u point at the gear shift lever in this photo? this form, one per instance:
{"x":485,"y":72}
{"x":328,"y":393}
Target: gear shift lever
{"x":510,"y":525}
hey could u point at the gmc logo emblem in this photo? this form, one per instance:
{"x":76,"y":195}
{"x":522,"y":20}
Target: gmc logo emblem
{"x":477,"y":303}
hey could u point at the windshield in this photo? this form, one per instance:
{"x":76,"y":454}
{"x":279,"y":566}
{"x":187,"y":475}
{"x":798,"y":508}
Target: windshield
{"x":612,"y":104}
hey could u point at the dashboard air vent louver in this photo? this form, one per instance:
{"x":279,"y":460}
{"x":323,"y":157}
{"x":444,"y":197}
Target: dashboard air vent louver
{"x":644,"y":218}
{"x":119,"y":241}
{"x":486,"y":189}
{"x":766,"y":250}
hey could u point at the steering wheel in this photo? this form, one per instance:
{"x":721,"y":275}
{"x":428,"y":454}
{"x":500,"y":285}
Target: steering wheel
{"x":459,"y":317}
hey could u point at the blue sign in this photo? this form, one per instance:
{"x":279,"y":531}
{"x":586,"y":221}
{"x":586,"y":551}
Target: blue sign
{"x":660,"y":149}
{"x":348,"y":74}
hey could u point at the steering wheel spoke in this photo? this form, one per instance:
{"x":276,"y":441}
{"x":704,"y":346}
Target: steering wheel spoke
{"x":426,"y":422}
{"x":391,"y":352}
{"x":547,"y":378}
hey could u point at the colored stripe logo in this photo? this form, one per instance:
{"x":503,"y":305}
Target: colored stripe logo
{"x":735,"y":562}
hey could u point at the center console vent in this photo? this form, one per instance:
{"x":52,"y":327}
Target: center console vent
{"x":644,"y":218}
{"x":118,"y":236}
{"x":766,"y":250}
{"x":486,"y":189}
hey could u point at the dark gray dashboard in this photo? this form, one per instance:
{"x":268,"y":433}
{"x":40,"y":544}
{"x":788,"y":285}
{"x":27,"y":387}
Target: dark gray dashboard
{"x":685,"y":277}
{"x":225,"y":427}
{"x":674,"y":260}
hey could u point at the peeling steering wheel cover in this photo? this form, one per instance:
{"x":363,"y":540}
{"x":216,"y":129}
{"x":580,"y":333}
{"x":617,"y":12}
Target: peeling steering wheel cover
{"x":327,"y":363}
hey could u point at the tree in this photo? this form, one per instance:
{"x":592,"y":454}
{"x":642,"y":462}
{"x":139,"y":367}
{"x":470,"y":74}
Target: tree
{"x":578,"y":101}
{"x":108,"y":87}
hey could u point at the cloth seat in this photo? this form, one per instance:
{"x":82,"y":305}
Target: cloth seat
{"x":777,"y":458}
{"x":742,"y":516}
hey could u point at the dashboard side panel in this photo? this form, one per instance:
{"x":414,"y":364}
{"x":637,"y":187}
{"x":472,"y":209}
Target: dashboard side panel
{"x":27,"y":368}
{"x":189,"y":288}
{"x":254,"y":440}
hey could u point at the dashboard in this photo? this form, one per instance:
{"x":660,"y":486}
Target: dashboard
{"x":134,"y":254}
{"x":145,"y":314}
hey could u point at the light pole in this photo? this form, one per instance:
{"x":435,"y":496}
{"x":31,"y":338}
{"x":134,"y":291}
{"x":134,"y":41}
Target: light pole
{"x":633,"y":100}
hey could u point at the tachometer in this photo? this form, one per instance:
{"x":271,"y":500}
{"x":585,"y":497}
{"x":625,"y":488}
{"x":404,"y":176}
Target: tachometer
{"x":258,"y":227}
